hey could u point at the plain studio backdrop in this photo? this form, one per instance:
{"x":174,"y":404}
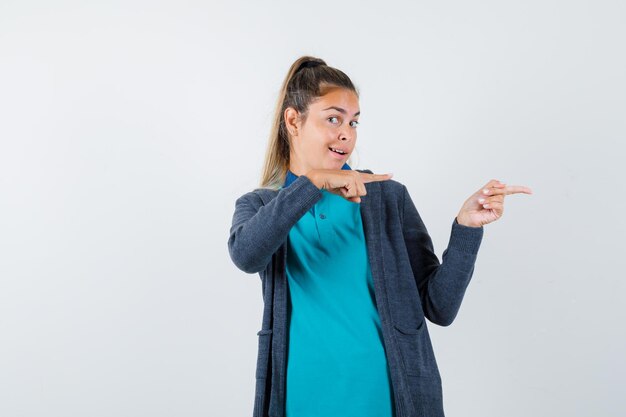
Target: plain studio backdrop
{"x":128,"y":129}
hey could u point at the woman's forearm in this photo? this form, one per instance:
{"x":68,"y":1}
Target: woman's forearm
{"x":258,"y":230}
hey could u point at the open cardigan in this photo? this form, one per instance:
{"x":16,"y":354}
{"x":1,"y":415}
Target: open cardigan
{"x":410,"y":283}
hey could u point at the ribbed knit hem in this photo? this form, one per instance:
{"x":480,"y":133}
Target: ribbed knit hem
{"x":307,"y":192}
{"x":465,"y":238}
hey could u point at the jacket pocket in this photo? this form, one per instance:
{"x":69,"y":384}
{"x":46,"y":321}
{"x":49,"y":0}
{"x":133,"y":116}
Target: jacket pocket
{"x":416,"y":350}
{"x":263,"y":356}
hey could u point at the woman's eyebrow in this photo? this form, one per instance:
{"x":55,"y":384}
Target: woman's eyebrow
{"x":340,"y":110}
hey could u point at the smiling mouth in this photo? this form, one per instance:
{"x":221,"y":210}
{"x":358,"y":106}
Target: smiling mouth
{"x":336,"y":151}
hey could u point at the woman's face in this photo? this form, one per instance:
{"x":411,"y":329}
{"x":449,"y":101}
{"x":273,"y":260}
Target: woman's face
{"x":331,"y":123}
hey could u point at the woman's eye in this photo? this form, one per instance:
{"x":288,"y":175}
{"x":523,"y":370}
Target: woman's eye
{"x":355,"y":123}
{"x":331,"y":119}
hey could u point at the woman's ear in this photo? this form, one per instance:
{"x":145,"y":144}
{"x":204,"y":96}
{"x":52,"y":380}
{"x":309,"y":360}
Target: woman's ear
{"x":291,"y":117}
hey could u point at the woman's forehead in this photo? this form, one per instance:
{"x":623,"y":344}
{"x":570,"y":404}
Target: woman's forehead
{"x":338,"y":99}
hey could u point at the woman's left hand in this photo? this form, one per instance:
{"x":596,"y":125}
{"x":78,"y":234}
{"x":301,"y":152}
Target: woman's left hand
{"x":486,"y":207}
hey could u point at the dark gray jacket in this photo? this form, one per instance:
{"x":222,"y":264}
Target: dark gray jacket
{"x":410,"y":285}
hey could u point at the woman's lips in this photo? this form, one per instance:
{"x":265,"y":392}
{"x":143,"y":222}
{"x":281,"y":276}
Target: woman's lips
{"x":338,"y":155}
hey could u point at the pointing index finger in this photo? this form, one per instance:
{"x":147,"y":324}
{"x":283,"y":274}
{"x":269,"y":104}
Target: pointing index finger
{"x":515,"y":189}
{"x":374,"y":177}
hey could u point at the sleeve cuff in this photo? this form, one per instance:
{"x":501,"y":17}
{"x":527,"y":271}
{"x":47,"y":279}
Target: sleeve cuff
{"x":306,"y":190}
{"x":465,"y":238}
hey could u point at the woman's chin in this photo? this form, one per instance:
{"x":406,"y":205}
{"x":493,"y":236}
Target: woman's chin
{"x":335,"y":165}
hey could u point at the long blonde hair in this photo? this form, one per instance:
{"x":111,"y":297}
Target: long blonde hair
{"x":307,"y":79}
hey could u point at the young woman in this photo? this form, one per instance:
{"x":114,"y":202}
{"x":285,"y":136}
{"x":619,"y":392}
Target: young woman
{"x":348,"y":269}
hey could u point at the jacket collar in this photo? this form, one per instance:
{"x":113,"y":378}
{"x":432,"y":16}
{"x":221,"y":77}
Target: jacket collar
{"x":291,"y":177}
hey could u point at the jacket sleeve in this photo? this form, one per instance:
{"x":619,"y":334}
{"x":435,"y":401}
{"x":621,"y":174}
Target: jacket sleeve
{"x":442,"y":285}
{"x":258,"y":230}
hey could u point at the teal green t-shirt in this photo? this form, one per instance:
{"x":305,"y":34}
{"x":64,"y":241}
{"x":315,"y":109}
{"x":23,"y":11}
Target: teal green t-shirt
{"x":336,"y":362}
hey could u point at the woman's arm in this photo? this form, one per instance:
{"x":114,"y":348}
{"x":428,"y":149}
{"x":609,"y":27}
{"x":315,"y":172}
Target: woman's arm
{"x":258,"y":230}
{"x":441,"y":286}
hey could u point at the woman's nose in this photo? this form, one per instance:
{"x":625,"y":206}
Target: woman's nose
{"x":346,"y":135}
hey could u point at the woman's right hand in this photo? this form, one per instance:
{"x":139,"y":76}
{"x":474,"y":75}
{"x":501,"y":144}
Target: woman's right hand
{"x":346,"y":183}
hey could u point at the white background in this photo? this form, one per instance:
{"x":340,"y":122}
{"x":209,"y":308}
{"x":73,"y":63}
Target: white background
{"x":129,"y":128}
